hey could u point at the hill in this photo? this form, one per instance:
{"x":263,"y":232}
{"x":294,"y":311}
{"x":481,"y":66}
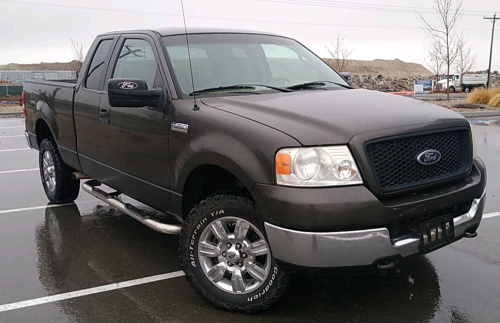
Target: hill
{"x":36,"y":67}
{"x":395,"y":68}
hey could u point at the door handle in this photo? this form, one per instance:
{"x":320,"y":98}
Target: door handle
{"x":104,"y":115}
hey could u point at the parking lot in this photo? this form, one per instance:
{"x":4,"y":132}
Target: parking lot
{"x":87,"y":262}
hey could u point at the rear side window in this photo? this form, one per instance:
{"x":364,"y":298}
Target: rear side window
{"x":95,"y":72}
{"x":136,"y":60}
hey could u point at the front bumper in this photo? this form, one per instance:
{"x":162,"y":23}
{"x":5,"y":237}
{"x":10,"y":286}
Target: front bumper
{"x":355,"y":248}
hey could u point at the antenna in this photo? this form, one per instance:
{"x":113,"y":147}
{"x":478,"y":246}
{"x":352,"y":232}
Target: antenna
{"x":195,"y":107}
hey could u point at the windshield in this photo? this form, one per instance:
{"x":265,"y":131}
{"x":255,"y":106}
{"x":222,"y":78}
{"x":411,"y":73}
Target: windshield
{"x":225,"y":60}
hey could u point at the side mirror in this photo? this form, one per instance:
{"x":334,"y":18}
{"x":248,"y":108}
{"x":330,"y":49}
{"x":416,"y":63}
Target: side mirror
{"x":132,"y":93}
{"x":347,"y":77}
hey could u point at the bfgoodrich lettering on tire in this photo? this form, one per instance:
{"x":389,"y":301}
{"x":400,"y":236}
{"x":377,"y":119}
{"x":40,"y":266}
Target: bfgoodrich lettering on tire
{"x":226,"y":257}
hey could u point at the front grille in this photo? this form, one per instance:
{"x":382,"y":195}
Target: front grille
{"x":394,"y":160}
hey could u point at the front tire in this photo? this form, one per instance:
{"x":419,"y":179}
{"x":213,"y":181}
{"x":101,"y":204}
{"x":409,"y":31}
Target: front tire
{"x":57,"y":180}
{"x":226,"y":257}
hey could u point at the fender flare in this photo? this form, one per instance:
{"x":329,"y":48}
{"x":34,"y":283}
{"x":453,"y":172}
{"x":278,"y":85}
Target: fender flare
{"x":222,"y":150}
{"x":45,"y":113}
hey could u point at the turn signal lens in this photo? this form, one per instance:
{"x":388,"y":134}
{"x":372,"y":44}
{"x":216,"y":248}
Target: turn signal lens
{"x":283,"y":164}
{"x":23,"y":103}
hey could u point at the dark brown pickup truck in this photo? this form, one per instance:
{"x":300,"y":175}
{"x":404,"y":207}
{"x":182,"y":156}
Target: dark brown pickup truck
{"x":266,"y":160}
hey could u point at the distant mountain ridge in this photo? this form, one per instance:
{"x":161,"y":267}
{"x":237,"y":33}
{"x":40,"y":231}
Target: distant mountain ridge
{"x":387,"y":68}
{"x":36,"y":67}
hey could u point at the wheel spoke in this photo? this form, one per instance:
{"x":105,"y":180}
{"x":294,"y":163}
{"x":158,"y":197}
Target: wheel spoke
{"x":219,"y":231}
{"x":208,"y":249}
{"x":237,"y":281}
{"x":216,"y":273}
{"x":241,"y":230}
{"x":256,"y":272}
{"x":258,"y":248}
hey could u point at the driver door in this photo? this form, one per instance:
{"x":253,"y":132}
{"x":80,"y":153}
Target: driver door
{"x":134,"y":141}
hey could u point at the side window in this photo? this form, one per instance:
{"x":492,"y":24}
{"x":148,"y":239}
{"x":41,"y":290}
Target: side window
{"x":95,"y":72}
{"x":136,"y":60}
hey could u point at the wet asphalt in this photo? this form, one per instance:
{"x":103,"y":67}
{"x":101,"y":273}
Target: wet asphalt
{"x":47,"y":250}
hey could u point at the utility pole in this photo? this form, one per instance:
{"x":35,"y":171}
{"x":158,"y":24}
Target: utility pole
{"x":493,"y":20}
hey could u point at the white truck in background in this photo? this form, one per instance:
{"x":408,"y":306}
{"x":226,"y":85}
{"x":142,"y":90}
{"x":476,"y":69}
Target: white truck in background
{"x":462,"y":82}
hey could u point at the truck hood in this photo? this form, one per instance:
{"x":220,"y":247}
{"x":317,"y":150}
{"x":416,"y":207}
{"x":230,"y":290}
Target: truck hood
{"x":322,"y":117}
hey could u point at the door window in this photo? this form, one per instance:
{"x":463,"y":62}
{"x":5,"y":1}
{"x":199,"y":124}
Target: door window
{"x":97,"y":66}
{"x":136,"y":60}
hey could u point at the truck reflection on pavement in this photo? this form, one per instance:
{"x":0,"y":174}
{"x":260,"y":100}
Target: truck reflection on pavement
{"x":78,"y":250}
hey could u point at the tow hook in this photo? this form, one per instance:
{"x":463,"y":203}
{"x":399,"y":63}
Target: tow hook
{"x":470,"y":234}
{"x":386,"y":265}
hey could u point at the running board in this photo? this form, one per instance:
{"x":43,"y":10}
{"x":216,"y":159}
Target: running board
{"x":110,"y":198}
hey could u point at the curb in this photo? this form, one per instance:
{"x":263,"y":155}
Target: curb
{"x":9,"y":114}
{"x":480,"y":114}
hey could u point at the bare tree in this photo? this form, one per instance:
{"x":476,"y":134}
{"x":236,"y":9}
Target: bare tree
{"x":465,"y":58}
{"x":435,"y":61}
{"x":449,"y":13}
{"x":78,"y":56}
{"x":340,"y":54}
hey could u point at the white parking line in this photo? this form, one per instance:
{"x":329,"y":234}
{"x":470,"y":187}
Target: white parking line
{"x":90,"y":291}
{"x":18,"y":171}
{"x":16,"y":136}
{"x":35,"y":208}
{"x":13,"y":127}
{"x":491,"y":215}
{"x":17,"y":149}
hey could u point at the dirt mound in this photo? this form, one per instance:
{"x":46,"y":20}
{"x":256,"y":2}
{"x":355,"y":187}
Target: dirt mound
{"x":395,"y":68}
{"x":36,"y":67}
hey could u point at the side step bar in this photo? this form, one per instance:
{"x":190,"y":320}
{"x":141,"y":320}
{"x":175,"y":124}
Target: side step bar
{"x":110,"y":198}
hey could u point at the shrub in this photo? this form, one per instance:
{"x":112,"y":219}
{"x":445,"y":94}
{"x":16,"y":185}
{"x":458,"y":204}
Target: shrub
{"x":479,"y":96}
{"x":494,"y":91}
{"x":495,"y":101}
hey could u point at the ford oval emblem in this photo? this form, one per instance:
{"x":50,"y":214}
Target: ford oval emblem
{"x":128,"y":85}
{"x":429,"y":157}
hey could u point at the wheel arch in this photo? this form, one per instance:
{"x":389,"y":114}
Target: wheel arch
{"x":43,"y":130}
{"x":220,"y":162}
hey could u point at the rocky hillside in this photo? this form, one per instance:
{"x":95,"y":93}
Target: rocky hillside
{"x":395,"y":68}
{"x":36,"y":67}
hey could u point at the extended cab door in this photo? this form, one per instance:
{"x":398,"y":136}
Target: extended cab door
{"x":86,"y":104}
{"x":134,"y":141}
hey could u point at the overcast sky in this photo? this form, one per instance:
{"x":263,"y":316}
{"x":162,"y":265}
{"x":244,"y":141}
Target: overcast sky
{"x":35,"y":31}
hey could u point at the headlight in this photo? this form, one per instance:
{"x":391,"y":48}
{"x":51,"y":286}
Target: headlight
{"x":319,"y":166}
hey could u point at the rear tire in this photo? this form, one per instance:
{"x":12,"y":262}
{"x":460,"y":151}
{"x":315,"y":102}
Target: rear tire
{"x":57,"y":180}
{"x":226,"y":257}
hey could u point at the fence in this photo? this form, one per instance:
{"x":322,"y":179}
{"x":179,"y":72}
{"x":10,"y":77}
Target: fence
{"x":11,"y":89}
{"x":21,"y":76}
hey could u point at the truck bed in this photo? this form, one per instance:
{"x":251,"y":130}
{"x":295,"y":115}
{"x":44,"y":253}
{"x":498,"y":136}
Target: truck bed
{"x":52,"y":101}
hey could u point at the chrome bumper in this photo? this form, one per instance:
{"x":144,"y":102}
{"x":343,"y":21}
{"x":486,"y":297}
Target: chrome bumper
{"x":353,"y":248}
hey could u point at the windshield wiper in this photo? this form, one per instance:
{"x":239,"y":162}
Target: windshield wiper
{"x":281,"y":89}
{"x":223,"y":88}
{"x":239,"y":87}
{"x":310,"y":85}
